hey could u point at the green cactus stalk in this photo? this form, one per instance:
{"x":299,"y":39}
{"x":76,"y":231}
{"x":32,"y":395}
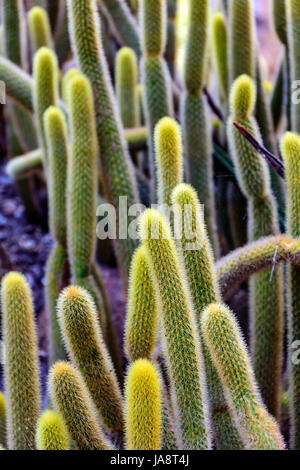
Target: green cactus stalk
{"x":179,"y":332}
{"x":51,"y":432}
{"x":168,"y":151}
{"x":39,"y":28}
{"x":24,"y":165}
{"x":124,"y":23}
{"x":241,"y":40}
{"x":18,"y":83}
{"x":219,"y":52}
{"x":71,"y":73}
{"x":277,"y":99}
{"x":141,"y":320}
{"x":195,"y":250}
{"x":279,"y":9}
{"x":266,"y":287}
{"x":171,"y":46}
{"x":155,"y":74}
{"x":3,"y":413}
{"x":78,"y":318}
{"x":143,"y":407}
{"x":126,"y":86}
{"x":293,"y":34}
{"x":72,"y":400}
{"x":258,"y":429}
{"x":114,"y":158}
{"x":169,"y":434}
{"x":45,"y":93}
{"x":21,"y":362}
{"x":13,"y":31}
{"x":290,"y":147}
{"x":196,"y":126}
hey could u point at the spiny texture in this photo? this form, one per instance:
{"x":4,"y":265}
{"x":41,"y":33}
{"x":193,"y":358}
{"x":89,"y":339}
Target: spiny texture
{"x":219,"y":52}
{"x":115,"y":161}
{"x":45,"y":94}
{"x":195,"y":250}
{"x":79,"y":321}
{"x":82,"y":178}
{"x":290,"y":148}
{"x":75,"y":405}
{"x":18,"y":83}
{"x":125,"y":24}
{"x":13,"y":32}
{"x":258,"y":429}
{"x":3,"y":433}
{"x":198,"y":151}
{"x":126,"y":86}
{"x":241,"y":41}
{"x":266,"y":288}
{"x":21,"y":362}
{"x":293,"y":30}
{"x":168,"y":151}
{"x":179,"y":332}
{"x":39,"y":28}
{"x":71,"y":73}
{"x":141,"y":320}
{"x":51,"y":432}
{"x":143,"y":407}
{"x":153,"y":23}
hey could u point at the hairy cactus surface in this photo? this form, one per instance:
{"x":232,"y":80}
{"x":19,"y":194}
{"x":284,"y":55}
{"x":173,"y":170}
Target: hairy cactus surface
{"x":143,"y":407}
{"x":3,"y":434}
{"x":51,"y":432}
{"x":21,"y":364}
{"x":126,"y":86}
{"x":39,"y":27}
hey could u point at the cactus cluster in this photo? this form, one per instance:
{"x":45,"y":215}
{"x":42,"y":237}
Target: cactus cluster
{"x":101,"y":113}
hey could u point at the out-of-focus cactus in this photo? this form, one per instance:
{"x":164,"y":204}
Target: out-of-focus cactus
{"x":258,"y":429}
{"x":21,"y":362}
{"x":219,"y":52}
{"x":3,"y":433}
{"x":126,"y":86}
{"x":141,"y":320}
{"x":39,"y":28}
{"x":290,"y":148}
{"x":266,"y":298}
{"x":51,"y":432}
{"x":114,"y":158}
{"x":75,"y":405}
{"x":179,"y":332}
{"x":143,"y":407}
{"x":18,"y":83}
{"x":79,"y":321}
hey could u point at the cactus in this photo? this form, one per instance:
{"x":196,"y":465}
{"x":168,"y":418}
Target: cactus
{"x":126,"y":86}
{"x":115,"y":162}
{"x":3,"y":433}
{"x":293,"y":34}
{"x":168,"y":150}
{"x":21,"y":365}
{"x":195,"y":251}
{"x":18,"y":83}
{"x":241,"y":40}
{"x":196,"y":127}
{"x":155,"y":74}
{"x":141,"y":320}
{"x":143,"y":407}
{"x":177,"y":316}
{"x":219,"y":52}
{"x":290,"y":146}
{"x":75,"y":405}
{"x":78,"y":320}
{"x":71,"y":73}
{"x":266,"y":296}
{"x":39,"y":28}
{"x":51,"y":432}
{"x":257,"y":428}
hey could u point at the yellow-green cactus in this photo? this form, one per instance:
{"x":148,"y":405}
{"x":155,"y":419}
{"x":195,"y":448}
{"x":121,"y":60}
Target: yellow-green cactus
{"x":39,"y":28}
{"x":143,"y":407}
{"x":126,"y":86}
{"x":51,"y":432}
{"x":219,"y":52}
{"x":3,"y":434}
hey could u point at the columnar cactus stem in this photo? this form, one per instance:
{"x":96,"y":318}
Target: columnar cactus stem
{"x":219,"y":52}
{"x":79,"y":321}
{"x":75,"y":405}
{"x":179,"y":332}
{"x":141,"y":320}
{"x":196,"y":127}
{"x":195,"y":250}
{"x":143,"y":407}
{"x":168,"y":152}
{"x":266,"y":299}
{"x":115,"y":161}
{"x":290,"y":147}
{"x":3,"y":433}
{"x":18,"y":83}
{"x":51,"y":432}
{"x":241,"y":58}
{"x":21,"y":362}
{"x":155,"y":74}
{"x":126,"y":86}
{"x":228,"y":351}
{"x":39,"y":28}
